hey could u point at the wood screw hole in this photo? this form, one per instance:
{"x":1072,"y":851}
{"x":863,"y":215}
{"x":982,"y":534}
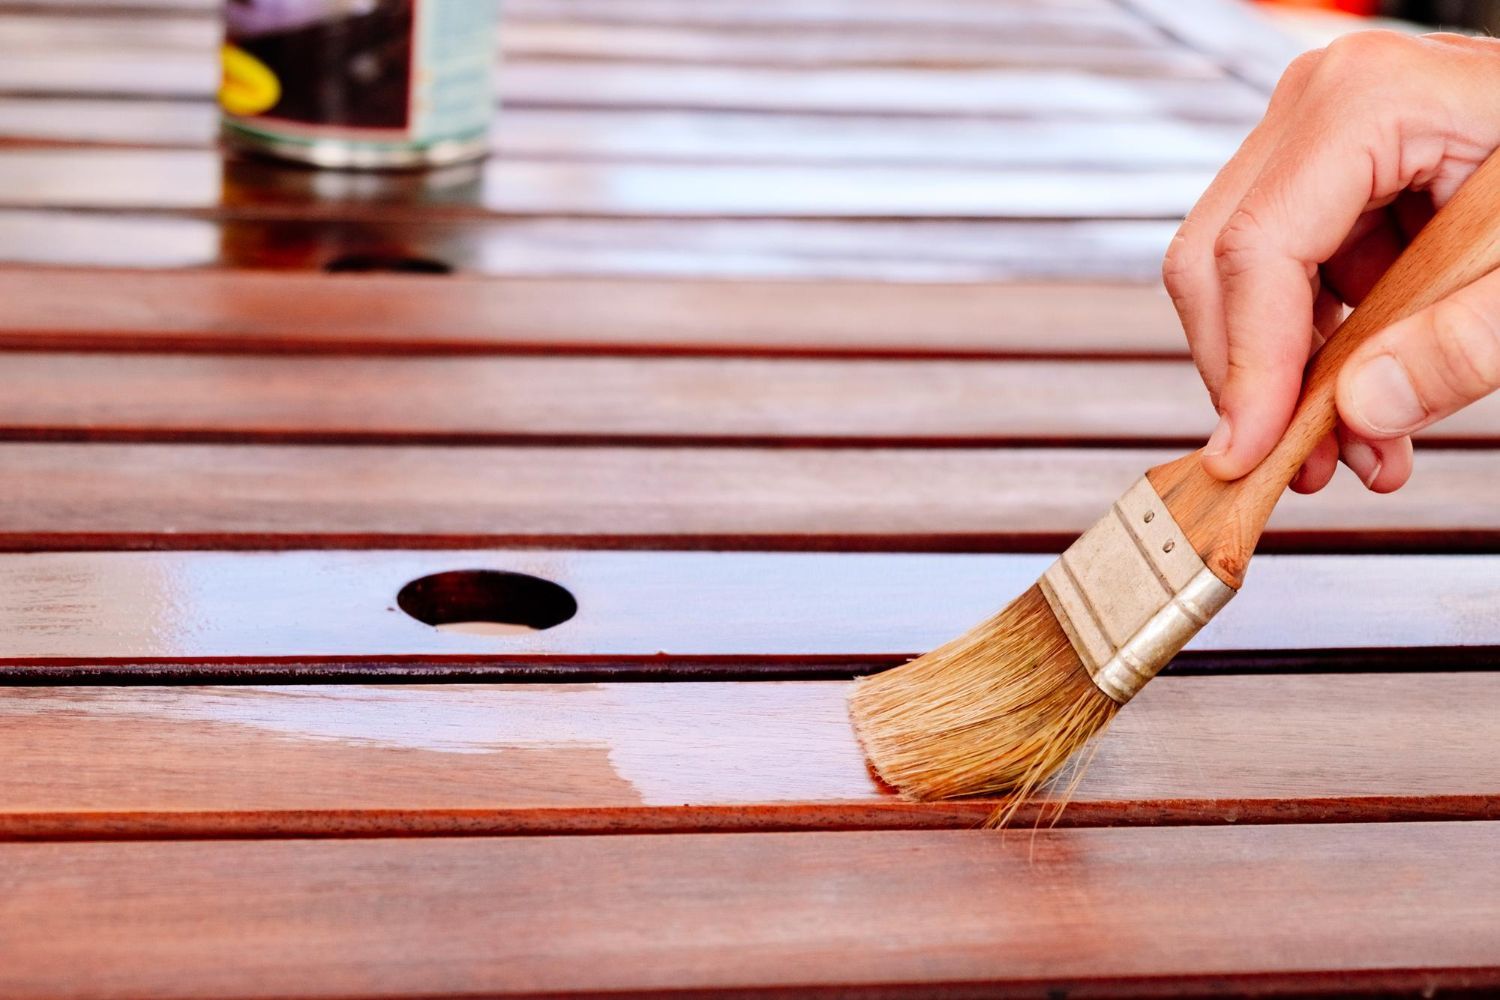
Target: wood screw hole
{"x":487,"y":602}
{"x":374,"y":263}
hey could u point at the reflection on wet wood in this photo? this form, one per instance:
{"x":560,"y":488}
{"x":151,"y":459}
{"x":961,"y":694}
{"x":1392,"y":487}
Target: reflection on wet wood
{"x":1389,"y":907}
{"x":238,"y":496}
{"x":748,"y":612}
{"x":700,"y":137}
{"x":895,"y":251}
{"x":340,"y":761}
{"x":200,"y":181}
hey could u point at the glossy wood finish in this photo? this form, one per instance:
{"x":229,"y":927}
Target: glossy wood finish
{"x":112,"y":496}
{"x":669,"y":609}
{"x":1075,"y":38}
{"x":1397,"y":906}
{"x":538,"y":759}
{"x":376,"y":314}
{"x":198,"y":181}
{"x":863,"y":250}
{"x":174,"y":397}
{"x":698,"y":137}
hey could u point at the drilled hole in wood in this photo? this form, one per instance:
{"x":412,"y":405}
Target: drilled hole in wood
{"x":357,"y":263}
{"x":487,"y":602}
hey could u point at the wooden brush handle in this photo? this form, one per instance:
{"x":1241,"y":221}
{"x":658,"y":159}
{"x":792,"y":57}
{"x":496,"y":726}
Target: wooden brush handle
{"x":1224,"y":521}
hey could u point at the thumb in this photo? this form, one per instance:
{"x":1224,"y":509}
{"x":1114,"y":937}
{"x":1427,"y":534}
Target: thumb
{"x":1417,"y":371}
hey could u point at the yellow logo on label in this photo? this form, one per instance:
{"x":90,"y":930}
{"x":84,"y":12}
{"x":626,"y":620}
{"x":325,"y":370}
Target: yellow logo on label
{"x":248,"y":86}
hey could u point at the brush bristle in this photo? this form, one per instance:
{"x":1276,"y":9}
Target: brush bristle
{"x":997,"y":711}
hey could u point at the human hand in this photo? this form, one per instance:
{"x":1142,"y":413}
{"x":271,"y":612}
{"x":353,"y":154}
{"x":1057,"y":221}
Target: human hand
{"x":1362,"y":142}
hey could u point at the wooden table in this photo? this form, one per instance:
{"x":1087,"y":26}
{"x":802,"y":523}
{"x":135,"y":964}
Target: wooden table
{"x":781,"y":340}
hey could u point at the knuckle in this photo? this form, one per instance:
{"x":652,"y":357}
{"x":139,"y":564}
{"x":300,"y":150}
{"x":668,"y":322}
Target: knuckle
{"x":1177,"y":267}
{"x":1466,"y":340}
{"x":1294,"y":78}
{"x":1366,"y":55}
{"x":1238,"y":244}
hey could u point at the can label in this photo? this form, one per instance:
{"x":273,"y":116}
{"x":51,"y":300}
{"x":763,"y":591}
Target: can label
{"x":393,"y":74}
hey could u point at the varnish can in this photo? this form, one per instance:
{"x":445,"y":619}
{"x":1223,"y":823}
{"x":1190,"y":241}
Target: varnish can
{"x":360,"y":83}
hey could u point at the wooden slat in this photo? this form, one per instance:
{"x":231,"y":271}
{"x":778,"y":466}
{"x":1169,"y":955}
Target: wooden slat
{"x":616,"y":758}
{"x":696,"y":248}
{"x":1243,"y":43}
{"x":1076,"y":43}
{"x":669,"y":610}
{"x":1094,"y":22}
{"x":681,"y":401}
{"x":1409,"y":907}
{"x":698,"y":137}
{"x":245,"y":310}
{"x":121,"y":495}
{"x":980,"y":93}
{"x":855,"y":43}
{"x":190,"y":180}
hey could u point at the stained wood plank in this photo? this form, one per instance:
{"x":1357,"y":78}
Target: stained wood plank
{"x":1408,"y":907}
{"x":155,"y":496}
{"x":977,"y":92}
{"x":668,"y":610}
{"x":611,"y":400}
{"x":1245,"y":44}
{"x":246,"y":310}
{"x":697,"y":137}
{"x":1079,"y":42}
{"x":335,"y":760}
{"x":1107,"y":22}
{"x":854,"y":43}
{"x":903,"y":251}
{"x":188,"y":180}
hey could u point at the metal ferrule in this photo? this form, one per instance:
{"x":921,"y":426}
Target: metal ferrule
{"x":1131,"y":592}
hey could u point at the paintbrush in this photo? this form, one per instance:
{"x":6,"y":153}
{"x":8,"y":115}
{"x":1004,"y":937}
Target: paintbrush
{"x":1000,"y":709}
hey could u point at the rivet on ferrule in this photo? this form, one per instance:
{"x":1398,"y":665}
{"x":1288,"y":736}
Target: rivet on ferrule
{"x":1131,"y":592}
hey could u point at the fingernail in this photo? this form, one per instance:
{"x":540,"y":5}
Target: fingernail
{"x":1382,"y":396}
{"x":1364,"y":460}
{"x":1218,"y":441}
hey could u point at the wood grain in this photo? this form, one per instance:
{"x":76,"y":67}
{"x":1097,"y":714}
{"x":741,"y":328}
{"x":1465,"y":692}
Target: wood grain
{"x":611,"y":400}
{"x":357,"y":313}
{"x":899,"y":251}
{"x":1406,"y":907}
{"x":749,"y":613}
{"x":235,"y":496}
{"x":201,"y":181}
{"x":343,"y":761}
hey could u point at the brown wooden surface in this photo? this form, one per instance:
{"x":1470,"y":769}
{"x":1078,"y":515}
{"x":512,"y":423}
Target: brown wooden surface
{"x":199,"y":181}
{"x":1091,"y":912}
{"x":667,"y":609}
{"x":372,"y":314}
{"x":283,"y":496}
{"x":745,"y":222}
{"x":536,"y":759}
{"x":1098,"y":40}
{"x":698,"y":137}
{"x":547,"y":83}
{"x":173,"y":397}
{"x":802,"y":249}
